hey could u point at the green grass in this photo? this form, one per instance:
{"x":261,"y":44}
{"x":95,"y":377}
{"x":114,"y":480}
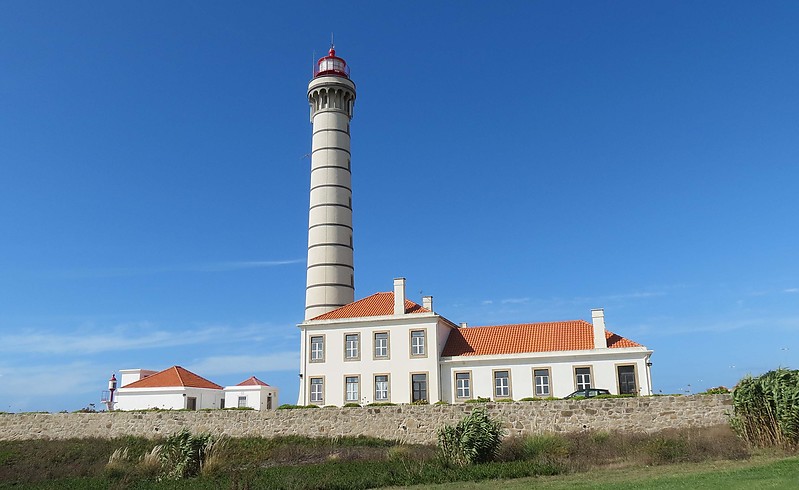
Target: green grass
{"x":584,"y":460}
{"x":772,"y":471}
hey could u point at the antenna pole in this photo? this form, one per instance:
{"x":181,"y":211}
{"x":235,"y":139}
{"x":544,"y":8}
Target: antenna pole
{"x":332,"y":45}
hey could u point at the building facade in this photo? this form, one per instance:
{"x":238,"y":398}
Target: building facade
{"x":385,"y":348}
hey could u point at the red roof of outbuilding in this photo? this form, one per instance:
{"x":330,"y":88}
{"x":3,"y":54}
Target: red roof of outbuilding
{"x":174,"y":377}
{"x":252,"y":381}
{"x":527,"y":337}
{"x":378,"y":304}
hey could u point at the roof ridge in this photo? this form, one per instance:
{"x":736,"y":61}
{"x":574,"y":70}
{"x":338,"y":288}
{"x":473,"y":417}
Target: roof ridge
{"x":530,"y":323}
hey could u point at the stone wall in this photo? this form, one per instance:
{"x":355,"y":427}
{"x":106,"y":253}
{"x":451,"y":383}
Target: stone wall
{"x":407,"y":423}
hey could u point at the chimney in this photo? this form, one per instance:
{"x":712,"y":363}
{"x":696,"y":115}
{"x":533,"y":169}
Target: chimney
{"x":399,"y":296}
{"x":464,"y":325}
{"x":427,"y":302}
{"x":598,"y":319}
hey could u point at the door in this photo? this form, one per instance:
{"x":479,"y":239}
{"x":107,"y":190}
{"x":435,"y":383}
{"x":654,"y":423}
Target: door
{"x":419,"y":385}
{"x":191,"y":403}
{"x":627,"y":380}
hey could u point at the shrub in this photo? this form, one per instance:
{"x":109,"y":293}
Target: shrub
{"x":541,"y":447}
{"x":352,"y":405}
{"x":719,"y":390}
{"x":382,"y":404}
{"x":503,"y":400}
{"x":475,"y":439}
{"x":766,"y":409}
{"x":441,"y":402}
{"x":479,"y":399}
{"x":183,"y":454}
{"x":420,"y":402}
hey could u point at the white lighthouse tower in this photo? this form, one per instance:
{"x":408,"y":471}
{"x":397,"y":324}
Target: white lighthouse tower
{"x":330,"y":281}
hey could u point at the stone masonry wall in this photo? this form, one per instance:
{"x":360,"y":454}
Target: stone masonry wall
{"x":407,"y":423}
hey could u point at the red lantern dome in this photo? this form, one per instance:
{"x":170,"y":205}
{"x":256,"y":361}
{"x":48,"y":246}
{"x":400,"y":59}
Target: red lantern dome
{"x":331,"y":65}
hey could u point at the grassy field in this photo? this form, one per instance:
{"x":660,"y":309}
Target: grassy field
{"x":697,"y":458}
{"x":773,"y":471}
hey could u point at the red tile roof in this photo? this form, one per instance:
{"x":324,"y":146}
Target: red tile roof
{"x":174,"y":377}
{"x":378,"y":304}
{"x":252,"y":381}
{"x":527,"y":337}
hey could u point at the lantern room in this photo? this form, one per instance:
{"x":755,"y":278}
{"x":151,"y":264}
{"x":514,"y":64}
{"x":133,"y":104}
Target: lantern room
{"x":331,"y":65}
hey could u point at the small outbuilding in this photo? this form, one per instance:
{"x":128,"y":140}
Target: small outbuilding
{"x":251,"y":393}
{"x":174,"y":388}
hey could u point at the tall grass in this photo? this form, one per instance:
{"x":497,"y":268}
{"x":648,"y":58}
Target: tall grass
{"x":766,"y":409}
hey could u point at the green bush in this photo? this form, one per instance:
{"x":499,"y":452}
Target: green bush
{"x":287,"y":406}
{"x":479,"y":399}
{"x":382,"y":404}
{"x":766,"y":409}
{"x":475,"y":439}
{"x":183,"y":454}
{"x":503,"y":400}
{"x":541,"y":447}
{"x":352,"y":405}
{"x":719,"y":390}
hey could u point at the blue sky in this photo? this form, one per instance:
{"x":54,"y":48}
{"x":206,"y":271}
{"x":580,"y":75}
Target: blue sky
{"x":520,"y":162}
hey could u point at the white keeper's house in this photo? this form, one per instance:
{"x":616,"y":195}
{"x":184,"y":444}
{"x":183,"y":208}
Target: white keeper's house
{"x":386,"y":348}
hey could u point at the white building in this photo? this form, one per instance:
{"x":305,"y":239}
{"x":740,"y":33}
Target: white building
{"x":177,"y":388}
{"x":384,"y":348}
{"x":174,"y":388}
{"x":251,"y":393}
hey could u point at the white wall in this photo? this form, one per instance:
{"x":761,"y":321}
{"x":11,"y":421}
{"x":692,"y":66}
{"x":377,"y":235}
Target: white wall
{"x":257,"y":397}
{"x":561,"y":366}
{"x":166,"y":398}
{"x":399,"y":366}
{"x":128,"y":376}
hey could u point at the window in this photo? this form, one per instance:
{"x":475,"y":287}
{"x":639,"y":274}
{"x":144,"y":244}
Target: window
{"x":381,"y":345}
{"x":627,"y":380}
{"x":583,"y":377}
{"x":381,"y":388}
{"x":352,"y":346}
{"x":317,"y":349}
{"x":501,"y":384}
{"x":419,"y":387}
{"x":317,"y":390}
{"x":417,"y":343}
{"x":541,"y":377}
{"x":353,"y":391}
{"x":463,"y":385}
{"x":242,"y":402}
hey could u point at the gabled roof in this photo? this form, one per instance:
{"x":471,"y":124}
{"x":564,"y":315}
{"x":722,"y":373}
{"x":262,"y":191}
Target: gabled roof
{"x":174,"y":377}
{"x":252,"y":381}
{"x":378,"y":304}
{"x":527,"y":337}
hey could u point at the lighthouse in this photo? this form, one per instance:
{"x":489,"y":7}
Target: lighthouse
{"x":330,"y":275}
